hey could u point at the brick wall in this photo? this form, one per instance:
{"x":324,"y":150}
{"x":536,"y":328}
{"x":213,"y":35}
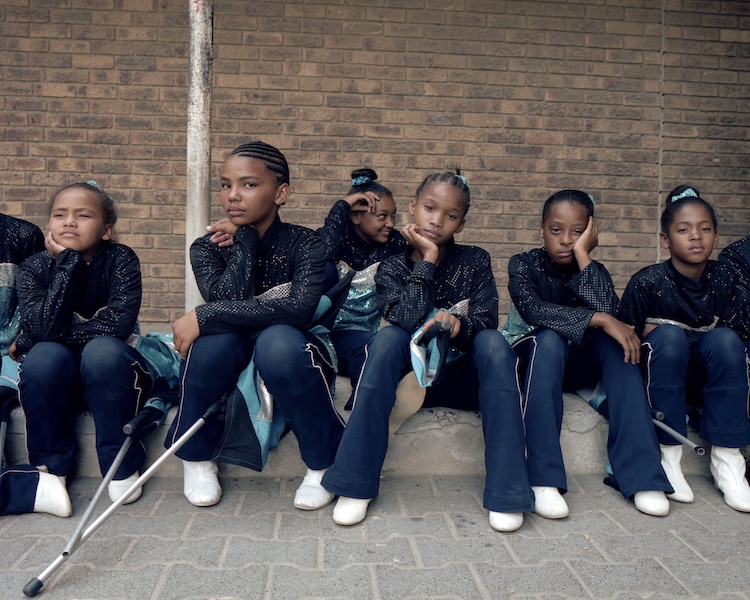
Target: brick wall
{"x":622,"y":98}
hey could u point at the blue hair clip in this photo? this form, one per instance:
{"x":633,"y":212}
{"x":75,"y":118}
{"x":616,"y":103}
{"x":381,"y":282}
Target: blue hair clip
{"x":462,"y":178}
{"x":592,"y":199}
{"x":688,"y":193}
{"x":93,"y":184}
{"x":361,"y":180}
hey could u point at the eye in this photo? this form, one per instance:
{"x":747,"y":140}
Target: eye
{"x":452,"y":217}
{"x":554,"y":230}
{"x":428,"y":207}
{"x":224,"y":186}
{"x":249,"y":185}
{"x":682,"y":230}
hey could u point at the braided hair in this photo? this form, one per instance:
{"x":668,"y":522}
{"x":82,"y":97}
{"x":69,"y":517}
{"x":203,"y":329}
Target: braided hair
{"x":454,"y":178}
{"x":271,"y":157}
{"x":105,"y":200}
{"x":572,"y":196}
{"x":363,"y":180}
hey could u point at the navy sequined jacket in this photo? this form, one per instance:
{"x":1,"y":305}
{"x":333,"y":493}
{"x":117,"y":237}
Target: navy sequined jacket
{"x":19,"y":239}
{"x":408,"y":291}
{"x":230,"y":278}
{"x":69,"y":301}
{"x":737,"y":256}
{"x":343,"y":243}
{"x":558,"y":297}
{"x":661,"y":292}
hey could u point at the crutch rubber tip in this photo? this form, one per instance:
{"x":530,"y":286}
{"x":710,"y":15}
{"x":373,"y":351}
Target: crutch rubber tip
{"x":32,"y":588}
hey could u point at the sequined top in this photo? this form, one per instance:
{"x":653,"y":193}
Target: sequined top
{"x":737,"y":256}
{"x":345,"y":247}
{"x":407,"y":291}
{"x":70,"y":301}
{"x":661,"y":292}
{"x":18,"y":240}
{"x":230,"y":278}
{"x":558,"y":297}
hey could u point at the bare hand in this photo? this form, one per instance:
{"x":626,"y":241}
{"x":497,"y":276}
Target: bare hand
{"x":585,"y":244}
{"x":362,"y":201}
{"x":186,"y":331}
{"x":13,"y":352}
{"x":623,"y":334}
{"x":223,"y":232}
{"x":425,"y":246}
{"x":52,"y":246}
{"x":444,"y":316}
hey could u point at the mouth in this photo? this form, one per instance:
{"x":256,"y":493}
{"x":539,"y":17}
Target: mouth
{"x":234,"y":212}
{"x":697,"y":249}
{"x":433,"y":235}
{"x":565,"y":254}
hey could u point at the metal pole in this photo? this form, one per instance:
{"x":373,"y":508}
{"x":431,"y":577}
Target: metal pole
{"x":198,"y":135}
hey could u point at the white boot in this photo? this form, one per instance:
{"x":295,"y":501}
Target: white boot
{"x":350,"y":511}
{"x":506,"y":522}
{"x":670,"y":462}
{"x":201,"y":482}
{"x":52,"y":496}
{"x":652,"y":502}
{"x":117,"y":487}
{"x":549,"y":503}
{"x":311,"y":495}
{"x":728,"y":471}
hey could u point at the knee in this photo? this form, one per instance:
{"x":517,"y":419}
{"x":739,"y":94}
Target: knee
{"x":102,"y":354}
{"x":46,"y":361}
{"x":279,"y":346}
{"x":489,"y":344}
{"x":389,"y":340}
{"x":668,"y":342}
{"x":724,"y":343}
{"x":550,"y":343}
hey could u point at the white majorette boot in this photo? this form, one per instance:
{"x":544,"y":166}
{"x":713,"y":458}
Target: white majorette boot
{"x":117,"y":487}
{"x":201,"y":482}
{"x":728,"y":471}
{"x":311,"y":495}
{"x":652,"y":502}
{"x":350,"y":511}
{"x":670,"y":462}
{"x":52,"y":496}
{"x":549,"y":503}
{"x":506,"y":522}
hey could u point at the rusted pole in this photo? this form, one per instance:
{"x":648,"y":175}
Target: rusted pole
{"x":198,"y":135}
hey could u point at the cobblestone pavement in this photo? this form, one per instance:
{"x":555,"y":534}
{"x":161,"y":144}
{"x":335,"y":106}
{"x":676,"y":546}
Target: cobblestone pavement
{"x":425,"y":537}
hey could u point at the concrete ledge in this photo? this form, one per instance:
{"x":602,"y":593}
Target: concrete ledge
{"x":435,"y":441}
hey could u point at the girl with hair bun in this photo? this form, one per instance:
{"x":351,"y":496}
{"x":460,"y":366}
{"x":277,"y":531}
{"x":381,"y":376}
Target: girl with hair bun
{"x":359,"y":233}
{"x":687,"y":310}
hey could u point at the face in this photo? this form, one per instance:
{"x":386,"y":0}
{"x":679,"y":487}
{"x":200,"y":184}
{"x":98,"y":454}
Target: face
{"x":691,"y":237}
{"x":565,"y":223}
{"x":250,"y":194}
{"x":77,"y":222}
{"x":376,"y":228}
{"x":439,"y":212}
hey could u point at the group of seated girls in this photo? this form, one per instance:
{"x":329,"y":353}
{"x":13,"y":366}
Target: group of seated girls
{"x":674,"y":341}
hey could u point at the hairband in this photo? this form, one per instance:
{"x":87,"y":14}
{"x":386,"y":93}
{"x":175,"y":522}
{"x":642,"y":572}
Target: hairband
{"x":688,"y":193}
{"x":462,"y":178}
{"x":361,"y":180}
{"x":93,"y":184}
{"x":592,"y":199}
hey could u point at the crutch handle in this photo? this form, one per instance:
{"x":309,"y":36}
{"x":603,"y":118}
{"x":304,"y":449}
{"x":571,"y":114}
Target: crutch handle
{"x":33,"y":587}
{"x":657,"y":414}
{"x":146,"y":421}
{"x":215,"y":409}
{"x":437,"y":328}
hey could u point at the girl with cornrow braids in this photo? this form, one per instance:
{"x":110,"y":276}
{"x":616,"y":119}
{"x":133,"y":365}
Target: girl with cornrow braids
{"x":437,"y":280}
{"x":261,"y":292}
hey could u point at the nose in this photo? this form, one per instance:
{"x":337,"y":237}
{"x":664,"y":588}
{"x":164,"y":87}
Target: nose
{"x":233,"y":194}
{"x":567,"y":238}
{"x":69,"y":220}
{"x":390,"y":222}
{"x":696,"y":233}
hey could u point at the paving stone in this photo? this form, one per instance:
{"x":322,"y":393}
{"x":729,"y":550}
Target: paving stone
{"x":704,"y":579}
{"x":350,"y":582}
{"x":511,"y":581}
{"x":197,"y":552}
{"x":243,"y":552}
{"x":395,"y":551}
{"x":645,"y":576}
{"x":384,"y":528}
{"x":417,"y":505}
{"x":318,"y":524}
{"x":719,"y":547}
{"x":487,"y":547}
{"x":568,"y":547}
{"x":451,"y":581}
{"x":187,"y":582}
{"x":662,"y":544}
{"x":259,"y":526}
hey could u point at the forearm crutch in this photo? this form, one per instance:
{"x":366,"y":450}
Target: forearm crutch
{"x":658,"y":418}
{"x":80,"y":535}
